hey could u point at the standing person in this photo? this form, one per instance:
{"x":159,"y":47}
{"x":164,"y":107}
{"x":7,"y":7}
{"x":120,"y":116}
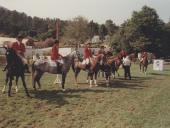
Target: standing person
{"x":20,"y":50}
{"x":126,"y":66}
{"x":55,"y":56}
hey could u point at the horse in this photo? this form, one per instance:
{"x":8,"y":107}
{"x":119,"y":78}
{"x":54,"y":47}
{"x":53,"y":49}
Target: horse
{"x":144,"y":64}
{"x":15,"y":68}
{"x":39,"y":68}
{"x":92,"y":70}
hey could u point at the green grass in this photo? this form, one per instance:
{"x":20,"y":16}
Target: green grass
{"x":143,"y":102}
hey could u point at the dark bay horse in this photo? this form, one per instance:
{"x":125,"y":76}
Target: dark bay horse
{"x":39,"y":68}
{"x":15,"y":68}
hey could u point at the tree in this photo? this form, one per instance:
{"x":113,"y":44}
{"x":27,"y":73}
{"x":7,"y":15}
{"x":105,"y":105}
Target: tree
{"x":144,"y":29}
{"x":111,"y":28}
{"x":102,"y":32}
{"x":77,"y":29}
{"x":92,"y":29}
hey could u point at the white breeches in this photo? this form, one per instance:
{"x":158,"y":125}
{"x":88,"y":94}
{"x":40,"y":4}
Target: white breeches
{"x":86,"y":61}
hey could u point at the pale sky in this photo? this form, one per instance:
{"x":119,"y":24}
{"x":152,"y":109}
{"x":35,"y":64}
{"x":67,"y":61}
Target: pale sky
{"x":97,"y":10}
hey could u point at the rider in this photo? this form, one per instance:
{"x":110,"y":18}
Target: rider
{"x":144,"y":55}
{"x":87,"y":55}
{"x":19,"y":48}
{"x":55,"y":56}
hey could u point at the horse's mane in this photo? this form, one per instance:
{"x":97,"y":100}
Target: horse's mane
{"x":14,"y":58}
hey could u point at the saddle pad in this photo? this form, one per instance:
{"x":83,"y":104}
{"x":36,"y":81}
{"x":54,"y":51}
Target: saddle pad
{"x":50,"y":62}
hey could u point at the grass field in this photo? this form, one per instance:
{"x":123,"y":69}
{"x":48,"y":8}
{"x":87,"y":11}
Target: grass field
{"x":143,"y":102}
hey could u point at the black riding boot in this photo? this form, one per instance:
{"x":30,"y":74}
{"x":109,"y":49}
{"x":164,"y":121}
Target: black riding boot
{"x":59,"y":67}
{"x":27,"y":68}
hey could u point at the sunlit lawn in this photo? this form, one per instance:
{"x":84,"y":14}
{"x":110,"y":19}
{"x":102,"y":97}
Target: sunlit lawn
{"x":143,"y":102}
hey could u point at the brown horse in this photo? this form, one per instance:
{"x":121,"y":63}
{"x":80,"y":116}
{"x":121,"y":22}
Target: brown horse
{"x":92,"y":69}
{"x":115,"y":62}
{"x":144,"y":64}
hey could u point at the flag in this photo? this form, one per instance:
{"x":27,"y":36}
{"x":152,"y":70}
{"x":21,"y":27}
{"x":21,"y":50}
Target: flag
{"x":57,"y":28}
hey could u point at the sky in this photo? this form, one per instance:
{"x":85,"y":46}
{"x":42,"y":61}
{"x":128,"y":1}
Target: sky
{"x":96,"y":10}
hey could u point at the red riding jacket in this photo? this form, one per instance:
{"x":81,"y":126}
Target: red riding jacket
{"x":18,"y":47}
{"x":87,"y":53}
{"x":55,"y":52}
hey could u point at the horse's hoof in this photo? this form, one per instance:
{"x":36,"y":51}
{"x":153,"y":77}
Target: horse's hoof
{"x":16,"y":90}
{"x":96,"y":85}
{"x":3,"y":91}
{"x":9,"y":95}
{"x":63,"y":90}
{"x":28,"y":96}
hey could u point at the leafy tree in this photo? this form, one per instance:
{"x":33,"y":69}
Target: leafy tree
{"x":92,"y":29}
{"x":111,"y":27}
{"x":77,"y":29}
{"x":143,"y":30}
{"x":102,"y":32}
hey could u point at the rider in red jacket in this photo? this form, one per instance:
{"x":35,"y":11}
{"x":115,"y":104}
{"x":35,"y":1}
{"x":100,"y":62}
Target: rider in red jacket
{"x":87,"y":56}
{"x":55,"y":56}
{"x":55,"y":51}
{"x":87,"y":51}
{"x":19,"y":48}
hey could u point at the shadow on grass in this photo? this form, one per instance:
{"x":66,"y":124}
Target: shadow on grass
{"x":54,"y":96}
{"x":60,"y":98}
{"x":134,"y":83}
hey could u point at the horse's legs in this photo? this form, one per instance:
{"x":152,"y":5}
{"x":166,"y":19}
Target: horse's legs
{"x":117,"y":72}
{"x":16,"y":84}
{"x":87,"y":79}
{"x":113,"y":74}
{"x":143,"y":68}
{"x":24,"y":84}
{"x":10,"y":85}
{"x":38,"y":79}
{"x":95,"y":79}
{"x":6,"y":82}
{"x":91,"y":79}
{"x":34,"y":79}
{"x":63,"y":81}
{"x":140,"y":66}
{"x":146,"y":67}
{"x":107,"y":79}
{"x":57,"y":80}
{"x":76,"y":75}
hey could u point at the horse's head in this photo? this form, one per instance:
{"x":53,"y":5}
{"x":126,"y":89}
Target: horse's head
{"x":76,"y":55}
{"x":10,"y":55}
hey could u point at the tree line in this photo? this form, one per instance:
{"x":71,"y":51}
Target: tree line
{"x":143,"y":31}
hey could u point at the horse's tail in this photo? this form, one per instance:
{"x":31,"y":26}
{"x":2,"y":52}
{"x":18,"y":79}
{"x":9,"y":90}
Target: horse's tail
{"x":33,"y":71}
